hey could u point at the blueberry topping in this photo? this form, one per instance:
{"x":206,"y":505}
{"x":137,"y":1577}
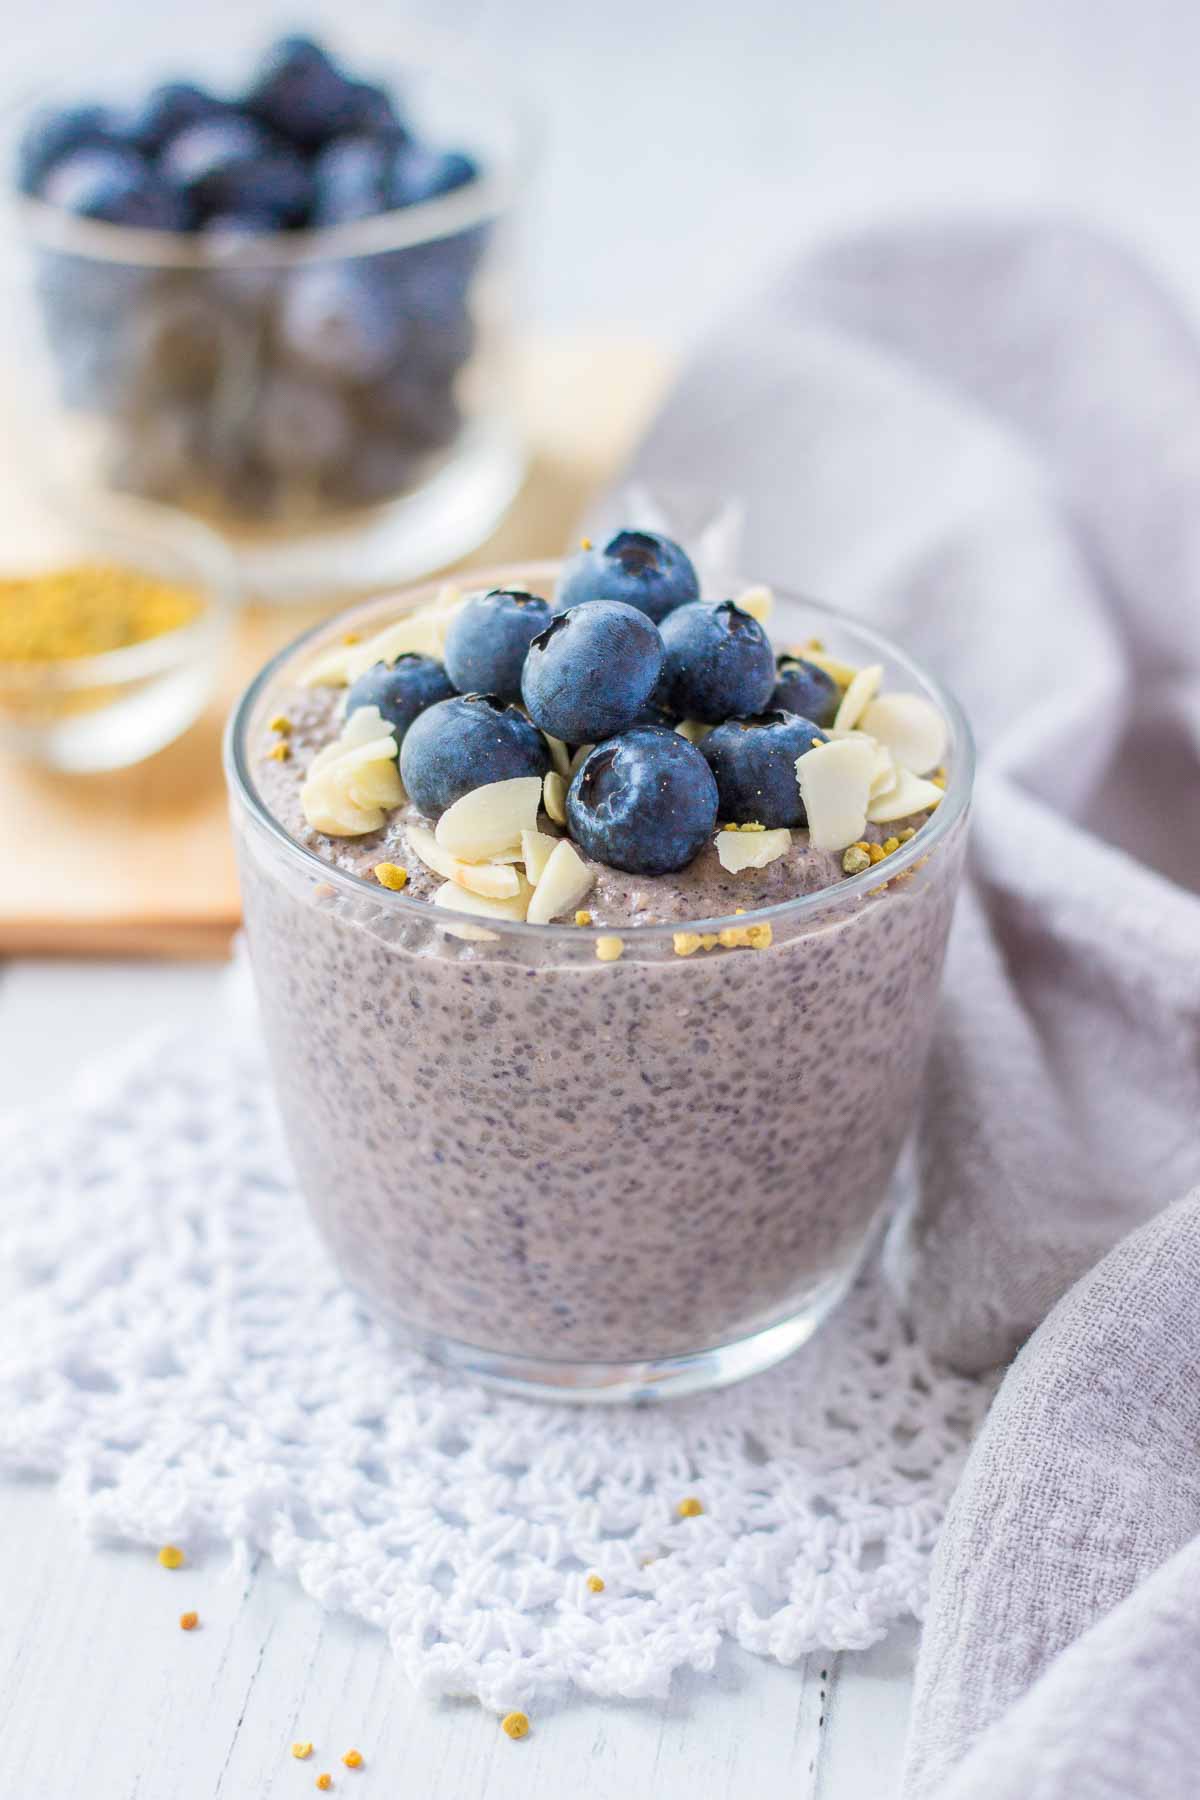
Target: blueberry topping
{"x":589,"y":674}
{"x":464,"y":743}
{"x":337,"y":319}
{"x":639,"y":567}
{"x":118,"y":187}
{"x":418,"y":173}
{"x":645,"y":802}
{"x":719,"y":662}
{"x":372,"y":111}
{"x":754,"y":762}
{"x":52,"y":135}
{"x":170,"y":109}
{"x":801,"y":687}
{"x":402,"y":690}
{"x":487,"y":642}
{"x":230,"y":165}
{"x":302,"y":94}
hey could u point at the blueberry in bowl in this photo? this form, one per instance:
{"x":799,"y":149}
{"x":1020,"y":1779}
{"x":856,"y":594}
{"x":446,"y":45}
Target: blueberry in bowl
{"x":401,"y":690}
{"x":645,"y":802}
{"x":718,"y":662}
{"x":342,"y":224}
{"x":641,"y":568}
{"x":467,"y":742}
{"x":753,"y":761}
{"x":805,"y":688}
{"x":489,"y":639}
{"x":592,"y":671}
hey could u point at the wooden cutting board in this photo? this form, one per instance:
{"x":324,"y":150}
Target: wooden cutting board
{"x":139,"y":862}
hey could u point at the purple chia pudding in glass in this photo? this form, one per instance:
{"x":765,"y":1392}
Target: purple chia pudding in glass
{"x":597,"y":1129}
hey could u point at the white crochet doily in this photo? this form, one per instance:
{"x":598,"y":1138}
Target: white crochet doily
{"x":177,"y":1352}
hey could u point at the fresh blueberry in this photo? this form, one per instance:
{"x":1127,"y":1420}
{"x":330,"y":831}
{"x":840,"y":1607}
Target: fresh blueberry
{"x":350,"y":179}
{"x":300,"y":92}
{"x":591,"y":671}
{"x":118,"y":187}
{"x":801,"y":687}
{"x":338,"y":320}
{"x":415,"y":406}
{"x":418,"y":173}
{"x":301,"y":425}
{"x":754,"y":762}
{"x":170,"y":109}
{"x":465,"y":743}
{"x":487,"y":641}
{"x":411,"y":684}
{"x":719,"y":662}
{"x":230,"y":165}
{"x":645,"y":802}
{"x":52,"y":135}
{"x":639,"y":567}
{"x":372,"y":111}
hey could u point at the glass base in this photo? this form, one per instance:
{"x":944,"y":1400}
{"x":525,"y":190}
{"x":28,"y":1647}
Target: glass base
{"x":381,"y":546}
{"x":635,"y":1383}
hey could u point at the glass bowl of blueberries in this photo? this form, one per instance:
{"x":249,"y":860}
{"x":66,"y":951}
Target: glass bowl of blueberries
{"x":277,"y":295}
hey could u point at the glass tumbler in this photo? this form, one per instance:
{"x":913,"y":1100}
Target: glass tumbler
{"x":571,"y":1159}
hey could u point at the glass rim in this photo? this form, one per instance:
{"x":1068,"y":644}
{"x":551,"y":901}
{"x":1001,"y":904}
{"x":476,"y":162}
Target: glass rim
{"x":958,"y":793}
{"x":210,"y":565}
{"x":479,"y":202}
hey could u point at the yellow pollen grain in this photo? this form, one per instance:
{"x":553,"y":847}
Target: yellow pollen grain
{"x":515,"y":1725}
{"x":690,"y":1508}
{"x":759,"y":937}
{"x":754,"y":826}
{"x":302,"y":1750}
{"x":353,"y":1759}
{"x":610,"y":949}
{"x":171,"y":1556}
{"x":907,"y":835}
{"x":856,"y":859}
{"x":595,"y":1584}
{"x":324,"y":1782}
{"x":279,"y":752}
{"x":938,"y":778}
{"x":709,"y":940}
{"x":686,"y":943}
{"x":282,"y":724}
{"x":350,"y":637}
{"x":391,"y":875}
{"x":188,"y":1621}
{"x":875,"y":852}
{"x":585,"y":543}
{"x":729,"y":828}
{"x":583,"y":916}
{"x":735,"y":937}
{"x":890,"y":846}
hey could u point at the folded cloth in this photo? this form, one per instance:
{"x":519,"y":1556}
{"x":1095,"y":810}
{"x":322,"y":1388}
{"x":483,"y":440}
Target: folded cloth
{"x":986,"y":440}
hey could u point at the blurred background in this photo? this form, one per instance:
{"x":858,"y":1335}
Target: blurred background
{"x":683,"y":152}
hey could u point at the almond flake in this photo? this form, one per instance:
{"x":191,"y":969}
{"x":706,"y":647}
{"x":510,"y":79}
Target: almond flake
{"x":580,"y":757}
{"x":841,"y":672}
{"x":759,"y":602}
{"x":858,"y":696}
{"x":420,"y":631}
{"x":885,"y":774}
{"x":564,"y":882}
{"x":560,"y":756}
{"x":738,"y":850}
{"x":911,"y":794}
{"x":458,"y":900}
{"x":693,"y":730}
{"x":835,"y":785}
{"x":536,"y":850}
{"x":912,"y":728}
{"x":495,"y":881}
{"x":555,"y":796}
{"x":353,"y":782}
{"x":489,"y":820}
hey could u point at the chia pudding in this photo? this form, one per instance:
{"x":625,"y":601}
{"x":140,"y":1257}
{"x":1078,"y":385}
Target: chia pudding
{"x":583,"y":1153}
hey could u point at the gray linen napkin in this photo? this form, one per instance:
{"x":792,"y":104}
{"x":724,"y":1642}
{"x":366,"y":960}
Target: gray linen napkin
{"x":986,"y":440}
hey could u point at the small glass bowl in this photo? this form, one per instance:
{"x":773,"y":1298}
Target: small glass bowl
{"x":206,"y":372}
{"x":82,"y":715}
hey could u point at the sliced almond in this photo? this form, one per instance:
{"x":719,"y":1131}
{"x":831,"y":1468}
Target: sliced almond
{"x":911,"y":794}
{"x":738,"y":850}
{"x":458,"y":900}
{"x":835,"y":785}
{"x":555,"y":797}
{"x":421,"y":631}
{"x":564,"y":882}
{"x":577,"y":761}
{"x":489,"y":820}
{"x":858,"y":696}
{"x":841,"y":672}
{"x":693,"y":730}
{"x":536,"y":850}
{"x":884,"y":777}
{"x":912,"y":728}
{"x":353,"y":783}
{"x":560,"y":756}
{"x":759,"y":602}
{"x":365,"y":724}
{"x":494,"y":881}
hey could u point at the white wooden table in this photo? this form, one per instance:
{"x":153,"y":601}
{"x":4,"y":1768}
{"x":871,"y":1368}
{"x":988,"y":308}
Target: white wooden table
{"x":691,"y":147}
